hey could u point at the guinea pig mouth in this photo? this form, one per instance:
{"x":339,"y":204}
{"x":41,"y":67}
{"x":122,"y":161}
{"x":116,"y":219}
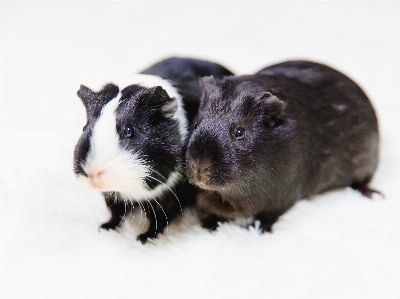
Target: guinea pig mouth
{"x":202,"y":185}
{"x":205,"y":180}
{"x":201,"y":176}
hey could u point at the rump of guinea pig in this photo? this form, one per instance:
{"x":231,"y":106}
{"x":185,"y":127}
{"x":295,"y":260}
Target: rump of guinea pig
{"x":131,"y":148}
{"x":261,"y":142}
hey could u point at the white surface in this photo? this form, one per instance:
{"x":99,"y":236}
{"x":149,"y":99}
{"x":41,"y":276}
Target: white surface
{"x":336,"y":245}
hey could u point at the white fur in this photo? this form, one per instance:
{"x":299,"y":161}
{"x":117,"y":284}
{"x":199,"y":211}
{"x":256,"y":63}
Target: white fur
{"x":110,"y":168}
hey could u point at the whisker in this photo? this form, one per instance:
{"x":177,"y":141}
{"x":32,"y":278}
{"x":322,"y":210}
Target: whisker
{"x":258,"y":185}
{"x":155,"y":216}
{"x":180,"y":206}
{"x":128,"y":202}
{"x":123,"y":216}
{"x":142,"y":210}
{"x":210,"y":196}
{"x":243,"y":193}
{"x":132,"y":209}
{"x":114,"y":202}
{"x":166,"y":218}
{"x":116,"y":197}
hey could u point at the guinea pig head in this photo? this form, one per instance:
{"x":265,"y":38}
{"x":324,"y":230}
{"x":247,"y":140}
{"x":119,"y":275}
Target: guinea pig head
{"x":230,"y":139}
{"x":131,"y":142}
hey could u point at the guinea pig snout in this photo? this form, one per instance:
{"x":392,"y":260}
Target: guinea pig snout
{"x":204,"y":157}
{"x":96,"y":180}
{"x":201,"y":170}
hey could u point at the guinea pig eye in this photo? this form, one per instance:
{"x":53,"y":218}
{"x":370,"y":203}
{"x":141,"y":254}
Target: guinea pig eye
{"x":240,"y":134}
{"x":196,"y":125}
{"x":129,"y":131}
{"x":84,"y":128}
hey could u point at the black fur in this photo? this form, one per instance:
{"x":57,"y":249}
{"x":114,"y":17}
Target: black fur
{"x":156,"y":138}
{"x":308,"y":129}
{"x":118,"y":209}
{"x":185,"y":74}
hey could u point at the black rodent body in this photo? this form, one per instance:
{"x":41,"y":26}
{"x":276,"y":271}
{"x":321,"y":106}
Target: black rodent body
{"x":154,"y":143}
{"x":261,"y":142}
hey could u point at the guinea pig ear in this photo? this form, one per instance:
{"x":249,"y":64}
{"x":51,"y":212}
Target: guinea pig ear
{"x":107,"y":93}
{"x":207,"y":80}
{"x":270,"y":102}
{"x":209,"y":89}
{"x":86,"y":94}
{"x":160,"y":98}
{"x":93,"y":101}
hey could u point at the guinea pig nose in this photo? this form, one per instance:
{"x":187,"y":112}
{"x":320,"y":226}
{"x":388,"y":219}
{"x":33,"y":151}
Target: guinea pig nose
{"x":96,"y":174}
{"x":205,"y":167}
{"x":201,"y":168}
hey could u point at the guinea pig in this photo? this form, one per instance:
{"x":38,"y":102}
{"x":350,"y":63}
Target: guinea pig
{"x":261,"y":142}
{"x":131,"y":148}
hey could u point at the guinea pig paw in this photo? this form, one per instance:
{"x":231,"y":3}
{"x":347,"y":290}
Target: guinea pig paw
{"x":265,"y":227}
{"x":112,"y":224}
{"x":211,"y":222}
{"x":266,"y":221}
{"x":143,"y":238}
{"x":365,"y":190}
{"x":261,"y":226}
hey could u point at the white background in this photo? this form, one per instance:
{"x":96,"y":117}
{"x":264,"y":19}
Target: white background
{"x":335,"y":245}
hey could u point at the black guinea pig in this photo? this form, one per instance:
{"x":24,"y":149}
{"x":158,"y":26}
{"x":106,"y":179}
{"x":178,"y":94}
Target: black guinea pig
{"x":261,"y":142}
{"x":131,"y":148}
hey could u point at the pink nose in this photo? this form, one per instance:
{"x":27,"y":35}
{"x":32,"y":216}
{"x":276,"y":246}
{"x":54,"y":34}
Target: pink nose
{"x":95,"y":180}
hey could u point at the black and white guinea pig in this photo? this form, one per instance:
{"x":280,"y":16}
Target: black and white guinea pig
{"x":261,"y":142}
{"x":131,"y":148}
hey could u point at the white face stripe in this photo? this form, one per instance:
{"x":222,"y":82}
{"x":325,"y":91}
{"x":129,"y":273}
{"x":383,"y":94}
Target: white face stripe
{"x":110,"y":168}
{"x":117,"y":167}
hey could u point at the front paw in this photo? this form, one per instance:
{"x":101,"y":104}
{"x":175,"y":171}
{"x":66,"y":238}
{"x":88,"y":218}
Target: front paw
{"x":152,"y":232}
{"x":112,"y":224}
{"x":144,"y":237}
{"x":265,"y":227}
{"x":267,"y":220}
{"x":211,"y":221}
